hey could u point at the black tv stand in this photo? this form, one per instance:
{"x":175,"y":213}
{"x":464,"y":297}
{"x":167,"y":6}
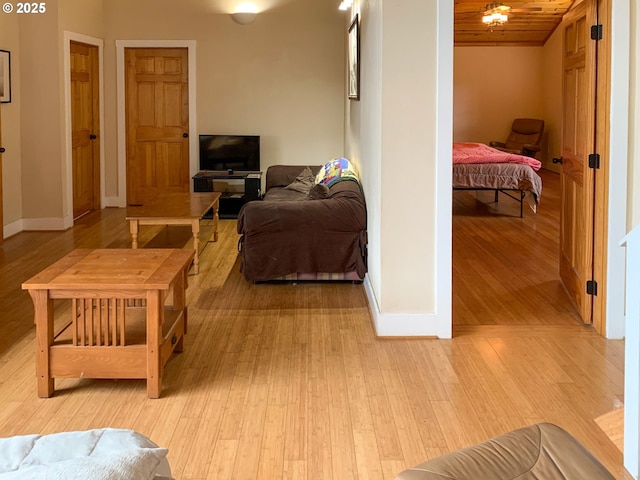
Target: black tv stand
{"x":230,"y":202}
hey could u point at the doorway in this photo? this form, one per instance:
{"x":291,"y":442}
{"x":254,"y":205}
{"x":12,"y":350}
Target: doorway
{"x":93,"y":186}
{"x":1,"y":196}
{"x":543,"y":299}
{"x":121,"y":46}
{"x":85,"y":127}
{"x":157,"y":116}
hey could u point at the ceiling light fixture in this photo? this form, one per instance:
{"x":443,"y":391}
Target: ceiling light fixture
{"x":345,"y":4}
{"x":494,"y":19}
{"x":495,"y":14}
{"x":245,"y":13}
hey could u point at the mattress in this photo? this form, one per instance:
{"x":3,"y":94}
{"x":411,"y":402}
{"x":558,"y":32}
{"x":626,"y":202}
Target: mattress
{"x":497,"y":176}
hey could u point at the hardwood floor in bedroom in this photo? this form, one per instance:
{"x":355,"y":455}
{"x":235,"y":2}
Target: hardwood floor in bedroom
{"x":284,"y":381}
{"x":505,"y":268}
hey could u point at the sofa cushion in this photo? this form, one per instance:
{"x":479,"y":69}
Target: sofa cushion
{"x":303,"y":182}
{"x":283,"y":175}
{"x":318,"y":192}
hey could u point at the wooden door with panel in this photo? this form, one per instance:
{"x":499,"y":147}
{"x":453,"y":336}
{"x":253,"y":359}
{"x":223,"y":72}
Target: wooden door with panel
{"x":1,"y":193}
{"x":576,"y":177}
{"x":85,"y":126}
{"x":157,"y":116}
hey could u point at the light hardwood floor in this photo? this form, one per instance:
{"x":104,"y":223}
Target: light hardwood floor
{"x":505,"y":268}
{"x":289,"y":381}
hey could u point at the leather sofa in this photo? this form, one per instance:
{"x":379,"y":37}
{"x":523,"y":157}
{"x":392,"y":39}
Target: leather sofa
{"x":290,"y":235}
{"x":538,"y":452}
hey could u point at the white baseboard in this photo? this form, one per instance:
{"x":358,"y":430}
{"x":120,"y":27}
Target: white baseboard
{"x":12,"y":228}
{"x":113,"y":202}
{"x":405,"y":324}
{"x":45,"y":223}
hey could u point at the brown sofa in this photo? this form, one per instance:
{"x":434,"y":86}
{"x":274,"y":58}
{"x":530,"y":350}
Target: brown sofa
{"x":542,"y":451}
{"x":287,"y":235}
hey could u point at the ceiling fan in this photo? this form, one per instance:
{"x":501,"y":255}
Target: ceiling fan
{"x":495,"y":13}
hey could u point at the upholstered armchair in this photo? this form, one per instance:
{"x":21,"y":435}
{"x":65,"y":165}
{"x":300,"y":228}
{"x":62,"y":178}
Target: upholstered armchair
{"x":524,"y":139}
{"x":538,"y":451}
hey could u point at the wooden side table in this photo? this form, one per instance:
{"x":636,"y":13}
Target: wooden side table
{"x":122,"y":325}
{"x":176,"y":209}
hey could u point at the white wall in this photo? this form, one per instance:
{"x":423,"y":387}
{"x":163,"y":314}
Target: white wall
{"x":633,"y":213}
{"x":363,"y":139}
{"x":551,"y":69}
{"x":40,"y":104}
{"x":492,"y":86}
{"x":281,"y":77}
{"x":34,"y":166}
{"x":82,"y":16}
{"x":392,"y":132}
{"x":11,"y":166}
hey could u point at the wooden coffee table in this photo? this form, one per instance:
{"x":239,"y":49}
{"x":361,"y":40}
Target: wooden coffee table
{"x":176,"y":209}
{"x":121,"y":324}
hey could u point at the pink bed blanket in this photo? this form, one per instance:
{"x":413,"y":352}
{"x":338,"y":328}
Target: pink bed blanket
{"x":481,"y":153}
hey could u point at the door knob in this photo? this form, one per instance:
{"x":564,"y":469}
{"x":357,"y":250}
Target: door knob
{"x":92,"y":137}
{"x":2,"y":150}
{"x":557,"y":160}
{"x":185,"y":135}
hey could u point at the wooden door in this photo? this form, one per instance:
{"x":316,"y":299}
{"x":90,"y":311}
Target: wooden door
{"x":85,"y":128}
{"x":1,"y":201}
{"x":157,"y":112}
{"x":577,"y":179}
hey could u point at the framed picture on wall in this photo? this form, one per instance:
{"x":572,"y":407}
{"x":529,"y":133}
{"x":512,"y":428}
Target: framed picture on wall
{"x":353,"y":58}
{"x":5,"y":76}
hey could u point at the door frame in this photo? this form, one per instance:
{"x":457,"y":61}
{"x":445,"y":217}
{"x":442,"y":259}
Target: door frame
{"x":67,"y":188}
{"x":615,"y":178}
{"x":611,"y":307}
{"x":190,"y":45}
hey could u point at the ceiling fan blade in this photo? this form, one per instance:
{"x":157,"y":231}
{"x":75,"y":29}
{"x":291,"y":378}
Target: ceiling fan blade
{"x":467,"y":9}
{"x":525,"y":9}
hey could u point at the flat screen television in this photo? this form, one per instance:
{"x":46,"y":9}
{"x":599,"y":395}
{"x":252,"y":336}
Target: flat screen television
{"x":230,"y":153}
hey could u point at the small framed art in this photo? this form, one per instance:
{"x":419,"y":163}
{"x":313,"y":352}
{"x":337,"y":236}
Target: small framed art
{"x":353,"y":59}
{"x":5,"y":76}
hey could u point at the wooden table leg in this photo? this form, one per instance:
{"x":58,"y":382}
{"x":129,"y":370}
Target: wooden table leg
{"x":43,"y":307}
{"x":195,"y":228}
{"x":134,"y":228}
{"x":179,"y":303}
{"x":155,"y":311}
{"x":215,"y":220}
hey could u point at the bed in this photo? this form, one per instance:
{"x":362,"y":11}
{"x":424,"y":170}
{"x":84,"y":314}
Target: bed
{"x":479,"y":167}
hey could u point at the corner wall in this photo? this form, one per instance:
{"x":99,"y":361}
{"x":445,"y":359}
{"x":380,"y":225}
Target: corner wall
{"x":281,"y":77}
{"x":400,"y":133}
{"x":11,"y":131}
{"x":39,"y":86}
{"x":41,"y":155}
{"x":633,"y":212}
{"x":552,"y":98}
{"x":492,"y":86}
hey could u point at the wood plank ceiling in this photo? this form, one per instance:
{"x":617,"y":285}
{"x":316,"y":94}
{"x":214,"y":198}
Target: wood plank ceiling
{"x":530,"y":22}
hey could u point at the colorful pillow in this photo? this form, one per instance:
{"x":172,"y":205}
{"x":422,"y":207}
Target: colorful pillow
{"x":303,"y":182}
{"x":336,"y":170}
